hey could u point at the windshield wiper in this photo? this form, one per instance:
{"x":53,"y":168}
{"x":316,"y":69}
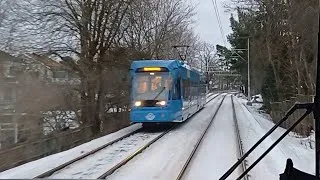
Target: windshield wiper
{"x":159,"y":93}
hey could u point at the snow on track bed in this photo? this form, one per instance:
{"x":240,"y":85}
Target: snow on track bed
{"x":165,"y":158}
{"x":37,"y":167}
{"x":96,"y":164}
{"x":252,"y":128}
{"x":219,"y":149}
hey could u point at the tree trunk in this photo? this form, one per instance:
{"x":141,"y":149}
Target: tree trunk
{"x":274,"y":68}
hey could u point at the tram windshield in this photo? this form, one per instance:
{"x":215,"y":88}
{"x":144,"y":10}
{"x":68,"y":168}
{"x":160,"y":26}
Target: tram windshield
{"x":151,"y":86}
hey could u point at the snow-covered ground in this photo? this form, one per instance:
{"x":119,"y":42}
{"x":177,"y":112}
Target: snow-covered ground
{"x":95,"y":165}
{"x":166,"y":157}
{"x":219,"y":148}
{"x":34,"y":168}
{"x":253,"y":126}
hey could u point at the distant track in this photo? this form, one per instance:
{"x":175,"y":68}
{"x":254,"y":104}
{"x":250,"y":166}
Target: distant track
{"x":215,"y":96}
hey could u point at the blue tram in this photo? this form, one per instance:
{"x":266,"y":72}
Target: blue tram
{"x":165,"y":91}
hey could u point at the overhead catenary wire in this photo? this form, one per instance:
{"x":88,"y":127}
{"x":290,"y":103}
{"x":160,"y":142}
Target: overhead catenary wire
{"x":214,"y":3}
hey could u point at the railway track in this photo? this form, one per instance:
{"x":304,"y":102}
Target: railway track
{"x":110,"y":156}
{"x":181,"y":173}
{"x":64,"y":165}
{"x":240,"y":149}
{"x":105,"y":146}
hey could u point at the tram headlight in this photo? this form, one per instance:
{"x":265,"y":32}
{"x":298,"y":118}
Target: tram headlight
{"x":162,"y":103}
{"x":137,"y":103}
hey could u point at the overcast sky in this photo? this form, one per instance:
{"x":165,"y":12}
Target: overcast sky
{"x":207,"y":26}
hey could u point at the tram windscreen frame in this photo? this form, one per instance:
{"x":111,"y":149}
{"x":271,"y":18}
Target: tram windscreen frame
{"x":151,"y":86}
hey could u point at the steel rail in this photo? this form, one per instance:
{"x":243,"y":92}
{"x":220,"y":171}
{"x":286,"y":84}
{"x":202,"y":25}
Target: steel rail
{"x":198,"y":142}
{"x":62,"y":166}
{"x":117,"y":166}
{"x":123,"y":162}
{"x":241,"y":151}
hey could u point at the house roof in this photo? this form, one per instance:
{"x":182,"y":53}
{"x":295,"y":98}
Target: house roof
{"x":47,"y":61}
{"x":7,"y":57}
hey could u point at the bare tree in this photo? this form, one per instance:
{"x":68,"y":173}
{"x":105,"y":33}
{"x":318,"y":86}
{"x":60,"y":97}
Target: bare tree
{"x":155,"y":26}
{"x":91,"y":31}
{"x":84,"y":29}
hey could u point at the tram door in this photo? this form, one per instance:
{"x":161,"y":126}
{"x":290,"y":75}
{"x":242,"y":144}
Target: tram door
{"x":186,"y":101}
{"x":176,"y":103}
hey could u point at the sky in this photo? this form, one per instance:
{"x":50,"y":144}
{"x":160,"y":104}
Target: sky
{"x":207,"y":26}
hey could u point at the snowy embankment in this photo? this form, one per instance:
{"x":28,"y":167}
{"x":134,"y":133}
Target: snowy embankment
{"x":37,"y":167}
{"x":253,"y":126}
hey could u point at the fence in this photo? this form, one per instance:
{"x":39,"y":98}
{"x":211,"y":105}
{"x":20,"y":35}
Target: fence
{"x":29,"y":151}
{"x":278,"y":110}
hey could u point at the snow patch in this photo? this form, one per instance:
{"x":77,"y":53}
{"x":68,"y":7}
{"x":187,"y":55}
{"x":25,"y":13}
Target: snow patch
{"x":257,"y":98}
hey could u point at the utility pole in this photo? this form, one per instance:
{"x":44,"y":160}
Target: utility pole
{"x":248,"y":62}
{"x":207,"y":73}
{"x":249,"y":88}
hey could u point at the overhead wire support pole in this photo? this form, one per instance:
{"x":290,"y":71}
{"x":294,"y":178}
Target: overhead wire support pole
{"x":249,"y":88}
{"x":248,"y":62}
{"x":310,"y":107}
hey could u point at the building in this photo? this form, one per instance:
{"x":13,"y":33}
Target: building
{"x":19,"y":76}
{"x":50,"y":70}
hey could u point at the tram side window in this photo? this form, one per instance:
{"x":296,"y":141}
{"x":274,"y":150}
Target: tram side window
{"x":176,"y":91}
{"x":186,"y":89}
